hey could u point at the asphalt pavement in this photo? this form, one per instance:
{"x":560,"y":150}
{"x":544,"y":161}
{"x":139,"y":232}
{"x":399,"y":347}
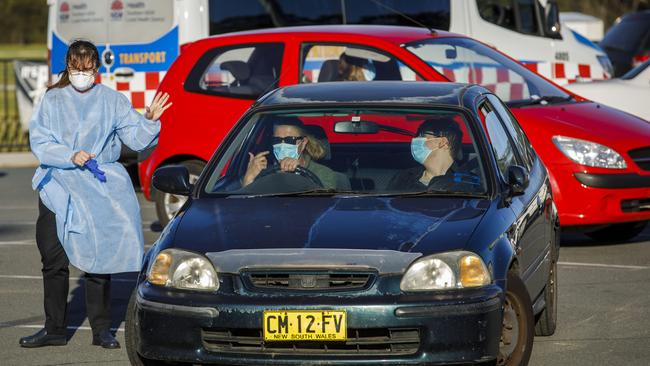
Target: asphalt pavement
{"x":604,"y":295}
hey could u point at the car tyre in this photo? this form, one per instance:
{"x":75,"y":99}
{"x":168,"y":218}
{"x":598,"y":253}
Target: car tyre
{"x":547,"y":319}
{"x":618,"y":232}
{"x":131,"y":336}
{"x":168,"y":204}
{"x":518,"y":328}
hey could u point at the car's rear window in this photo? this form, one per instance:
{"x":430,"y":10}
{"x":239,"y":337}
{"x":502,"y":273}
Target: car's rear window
{"x":360,"y":151}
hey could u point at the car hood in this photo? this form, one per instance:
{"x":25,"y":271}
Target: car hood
{"x":584,"y":120}
{"x":422,"y":225}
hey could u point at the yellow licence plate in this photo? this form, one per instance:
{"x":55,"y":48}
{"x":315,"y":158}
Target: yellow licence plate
{"x":305,"y":325}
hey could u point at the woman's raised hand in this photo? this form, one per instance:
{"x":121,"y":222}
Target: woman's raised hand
{"x":81,"y":157}
{"x":157,"y":107}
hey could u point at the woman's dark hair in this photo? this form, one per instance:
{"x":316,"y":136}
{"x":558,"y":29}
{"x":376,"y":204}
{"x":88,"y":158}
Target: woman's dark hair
{"x":444,"y":127}
{"x":80,"y":54}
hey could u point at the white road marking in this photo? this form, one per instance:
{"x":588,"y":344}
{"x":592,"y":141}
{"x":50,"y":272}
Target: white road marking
{"x":36,"y":326}
{"x":18,"y":242}
{"x":601,"y":265}
{"x":24,"y":277}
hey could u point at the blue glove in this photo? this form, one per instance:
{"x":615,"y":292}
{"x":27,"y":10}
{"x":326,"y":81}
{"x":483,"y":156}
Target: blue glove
{"x":94,"y":168}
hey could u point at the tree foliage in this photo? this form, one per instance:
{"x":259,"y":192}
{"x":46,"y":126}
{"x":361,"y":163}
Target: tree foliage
{"x":23,"y":21}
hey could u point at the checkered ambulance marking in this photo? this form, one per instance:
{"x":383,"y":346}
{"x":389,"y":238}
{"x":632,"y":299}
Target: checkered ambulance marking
{"x":563,"y":73}
{"x":140,"y":90}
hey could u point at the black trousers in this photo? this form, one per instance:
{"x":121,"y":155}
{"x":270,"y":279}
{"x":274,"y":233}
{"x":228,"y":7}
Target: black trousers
{"x":56,"y":281}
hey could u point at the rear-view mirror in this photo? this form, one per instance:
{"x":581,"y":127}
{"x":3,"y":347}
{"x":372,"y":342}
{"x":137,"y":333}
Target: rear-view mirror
{"x":356,"y":127}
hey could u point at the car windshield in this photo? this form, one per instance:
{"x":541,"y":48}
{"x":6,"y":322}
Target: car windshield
{"x":351,"y":151}
{"x":464,"y":60}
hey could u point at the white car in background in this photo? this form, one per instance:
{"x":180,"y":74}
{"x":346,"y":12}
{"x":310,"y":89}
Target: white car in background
{"x":629,"y":93}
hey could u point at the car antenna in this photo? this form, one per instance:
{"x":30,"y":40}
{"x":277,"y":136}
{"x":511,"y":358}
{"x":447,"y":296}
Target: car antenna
{"x":431,"y":30}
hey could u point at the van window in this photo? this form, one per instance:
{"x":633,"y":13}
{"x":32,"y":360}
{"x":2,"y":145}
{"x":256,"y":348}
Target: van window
{"x":229,"y":16}
{"x":243,"y":71}
{"x":345,"y":62}
{"x":112,"y":21}
{"x":432,"y":13}
{"x":517,"y":15}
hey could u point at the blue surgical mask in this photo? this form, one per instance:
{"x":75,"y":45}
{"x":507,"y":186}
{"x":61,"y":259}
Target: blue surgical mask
{"x":284,"y":150}
{"x":419,"y":149}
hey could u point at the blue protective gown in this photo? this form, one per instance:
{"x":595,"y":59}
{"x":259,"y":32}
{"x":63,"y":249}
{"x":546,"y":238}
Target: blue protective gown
{"x":98,"y":224}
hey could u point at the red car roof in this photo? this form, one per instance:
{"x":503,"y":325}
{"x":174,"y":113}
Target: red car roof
{"x":394,"y":34}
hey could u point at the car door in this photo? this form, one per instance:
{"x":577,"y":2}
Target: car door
{"x":530,"y":234}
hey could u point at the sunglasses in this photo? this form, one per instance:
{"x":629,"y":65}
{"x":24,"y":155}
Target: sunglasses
{"x":429,"y":134}
{"x":288,"y":140}
{"x":84,"y":72}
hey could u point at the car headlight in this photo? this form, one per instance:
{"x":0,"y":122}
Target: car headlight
{"x":606,"y":64}
{"x":589,"y":153}
{"x":184,"y":270}
{"x":444,"y":271}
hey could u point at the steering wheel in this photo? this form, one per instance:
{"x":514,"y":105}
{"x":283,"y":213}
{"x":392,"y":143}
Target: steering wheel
{"x":306,"y":173}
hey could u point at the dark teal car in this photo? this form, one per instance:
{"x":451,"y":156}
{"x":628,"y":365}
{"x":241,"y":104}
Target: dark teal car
{"x":393,"y":223}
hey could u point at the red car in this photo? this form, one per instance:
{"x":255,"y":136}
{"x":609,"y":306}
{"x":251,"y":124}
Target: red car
{"x":598,"y":157}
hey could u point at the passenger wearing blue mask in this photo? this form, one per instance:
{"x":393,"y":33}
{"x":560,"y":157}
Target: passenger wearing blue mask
{"x":436,"y":147}
{"x":292,"y":147}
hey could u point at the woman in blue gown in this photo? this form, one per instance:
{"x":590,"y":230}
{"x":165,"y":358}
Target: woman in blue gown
{"x":88,"y":212}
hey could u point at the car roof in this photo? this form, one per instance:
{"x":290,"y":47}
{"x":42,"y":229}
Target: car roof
{"x":391,"y":33}
{"x":393,"y":92}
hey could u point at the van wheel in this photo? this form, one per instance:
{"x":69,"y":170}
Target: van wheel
{"x":518,"y":328}
{"x":618,"y":232}
{"x":131,"y":336}
{"x":167,"y":205}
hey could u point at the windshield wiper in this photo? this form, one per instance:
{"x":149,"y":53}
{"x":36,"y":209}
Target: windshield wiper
{"x":547,"y":99}
{"x":309,"y":192}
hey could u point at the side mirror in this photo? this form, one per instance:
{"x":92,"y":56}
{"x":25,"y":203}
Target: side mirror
{"x":174,"y":179}
{"x":517,"y":180}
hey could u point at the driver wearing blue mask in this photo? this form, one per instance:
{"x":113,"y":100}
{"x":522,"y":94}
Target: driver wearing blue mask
{"x":435,"y":147}
{"x":292,"y":147}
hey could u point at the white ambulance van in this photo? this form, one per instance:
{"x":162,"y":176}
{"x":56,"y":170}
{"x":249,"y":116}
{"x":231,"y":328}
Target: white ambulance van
{"x":139,"y":39}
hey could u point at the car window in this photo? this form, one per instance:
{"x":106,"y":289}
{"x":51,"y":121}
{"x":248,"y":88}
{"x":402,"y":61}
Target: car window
{"x":502,"y":146}
{"x":346,"y":62}
{"x":240,"y":71}
{"x":465,"y":65}
{"x":516,"y":15}
{"x":516,"y":132}
{"x":371,"y":151}
{"x":468,"y":61}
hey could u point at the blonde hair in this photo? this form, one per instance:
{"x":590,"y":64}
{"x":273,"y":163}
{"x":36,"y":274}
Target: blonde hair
{"x":350,"y":72}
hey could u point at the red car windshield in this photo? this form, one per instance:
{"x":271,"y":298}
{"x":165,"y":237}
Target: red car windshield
{"x":464,"y":60}
{"x":345,"y":150}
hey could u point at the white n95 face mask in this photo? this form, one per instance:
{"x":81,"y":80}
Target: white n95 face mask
{"x":82,"y":82}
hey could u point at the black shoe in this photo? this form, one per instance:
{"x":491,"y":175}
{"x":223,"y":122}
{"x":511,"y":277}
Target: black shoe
{"x":105,"y":339}
{"x":42,"y":339}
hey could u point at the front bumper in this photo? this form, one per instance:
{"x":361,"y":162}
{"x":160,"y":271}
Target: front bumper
{"x":457,"y":327}
{"x":585,"y":198}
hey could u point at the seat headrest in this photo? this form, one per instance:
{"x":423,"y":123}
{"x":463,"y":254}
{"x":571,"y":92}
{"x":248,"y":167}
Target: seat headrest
{"x":239,"y":69}
{"x":329,"y":71}
{"x":319,"y":133}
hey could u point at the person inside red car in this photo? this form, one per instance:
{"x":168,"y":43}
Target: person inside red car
{"x":352,"y":68}
{"x":292,"y":147}
{"x":436,"y":147}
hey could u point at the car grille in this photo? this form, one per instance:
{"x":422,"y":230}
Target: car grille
{"x":641,"y":157}
{"x":308,"y":281}
{"x":376,"y":341}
